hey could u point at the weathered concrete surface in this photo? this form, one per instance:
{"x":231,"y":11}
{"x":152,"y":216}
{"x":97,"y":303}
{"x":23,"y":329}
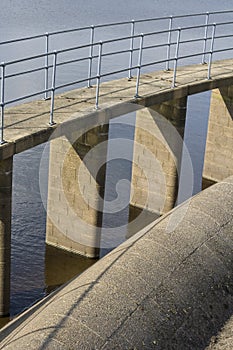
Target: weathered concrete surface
{"x":27,"y":125}
{"x":224,"y":339}
{"x":168,"y":287}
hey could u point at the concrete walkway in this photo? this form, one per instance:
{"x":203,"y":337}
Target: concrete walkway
{"x":27,"y":125}
{"x":168,"y":287}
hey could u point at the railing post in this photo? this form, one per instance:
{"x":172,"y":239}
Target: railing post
{"x":46,"y":65}
{"x":176,"y":57}
{"x":211,"y":50}
{"x":131,"y":49}
{"x":90,"y":55}
{"x":53,"y":88}
{"x":205,"y":37}
{"x":98,"y":75}
{"x":2,"y":103}
{"x":139,"y":66}
{"x":169,"y":44}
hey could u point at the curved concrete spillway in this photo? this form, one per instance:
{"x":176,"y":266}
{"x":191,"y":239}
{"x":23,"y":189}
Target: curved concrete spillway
{"x":168,"y":287}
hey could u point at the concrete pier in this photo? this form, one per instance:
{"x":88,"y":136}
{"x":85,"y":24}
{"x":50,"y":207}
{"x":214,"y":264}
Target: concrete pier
{"x":157,"y":155}
{"x":219,"y":156}
{"x":76,"y":191}
{"x":5,"y":233}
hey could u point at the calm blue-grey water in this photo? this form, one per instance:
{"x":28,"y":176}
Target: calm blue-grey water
{"x":30,"y":274}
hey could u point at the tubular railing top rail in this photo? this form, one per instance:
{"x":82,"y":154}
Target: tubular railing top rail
{"x":137,"y":44}
{"x":58,"y":32}
{"x":109,"y":41}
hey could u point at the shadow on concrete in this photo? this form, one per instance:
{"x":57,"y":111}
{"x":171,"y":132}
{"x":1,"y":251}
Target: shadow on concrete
{"x":224,"y":91}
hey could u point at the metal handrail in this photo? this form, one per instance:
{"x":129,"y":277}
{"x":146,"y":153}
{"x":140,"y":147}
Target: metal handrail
{"x":34,"y":57}
{"x":101,"y":54}
{"x":71,"y":30}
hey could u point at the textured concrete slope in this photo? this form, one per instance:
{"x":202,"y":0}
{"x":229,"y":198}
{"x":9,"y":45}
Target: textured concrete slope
{"x":169,"y":287}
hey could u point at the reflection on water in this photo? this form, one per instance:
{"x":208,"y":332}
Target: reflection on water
{"x":196,"y":127}
{"x":57,"y":268}
{"x":61,"y":266}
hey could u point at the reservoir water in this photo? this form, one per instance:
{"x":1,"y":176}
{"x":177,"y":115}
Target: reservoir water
{"x":37,"y":269}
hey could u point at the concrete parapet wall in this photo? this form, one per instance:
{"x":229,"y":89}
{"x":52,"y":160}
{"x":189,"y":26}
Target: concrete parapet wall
{"x":168,"y":287}
{"x":219,"y":156}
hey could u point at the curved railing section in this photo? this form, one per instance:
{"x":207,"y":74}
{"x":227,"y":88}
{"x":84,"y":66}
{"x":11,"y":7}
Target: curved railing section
{"x":175,"y":44}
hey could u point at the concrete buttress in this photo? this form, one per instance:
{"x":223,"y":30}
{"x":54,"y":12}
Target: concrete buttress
{"x":76,"y":190}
